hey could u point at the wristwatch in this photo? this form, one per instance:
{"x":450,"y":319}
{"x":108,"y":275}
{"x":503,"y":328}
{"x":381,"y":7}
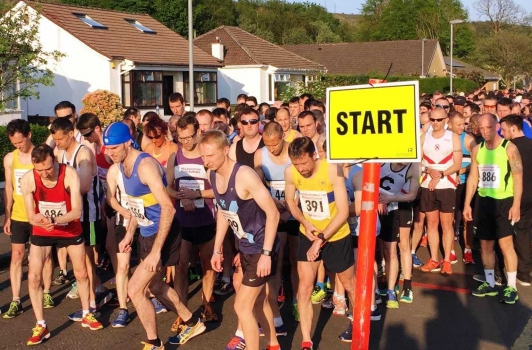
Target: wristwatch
{"x":266,"y":252}
{"x":322,"y":237}
{"x":199,"y":192}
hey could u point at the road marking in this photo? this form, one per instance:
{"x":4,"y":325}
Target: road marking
{"x":444,"y":288}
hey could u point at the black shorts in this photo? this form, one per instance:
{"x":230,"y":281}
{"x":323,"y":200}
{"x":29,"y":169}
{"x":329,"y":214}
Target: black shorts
{"x":291,"y":227}
{"x":109,"y":211}
{"x":171,"y":247}
{"x":249,"y":269}
{"x":92,"y":232}
{"x":415,"y":206}
{"x":491,"y":218}
{"x":58,"y":242}
{"x":198,"y":235}
{"x":337,"y":256}
{"x":394,"y":221}
{"x":442,"y":200}
{"x":20,"y":232}
{"x":460,"y":196}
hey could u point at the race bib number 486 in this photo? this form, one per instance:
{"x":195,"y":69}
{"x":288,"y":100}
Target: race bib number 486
{"x":315,"y":205}
{"x":489,"y":176}
{"x":52,"y":209}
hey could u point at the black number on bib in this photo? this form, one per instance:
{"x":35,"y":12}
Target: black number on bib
{"x":137,"y":213}
{"x":233,"y":224}
{"x":314,"y":206}
{"x":279,"y":195}
{"x":489,"y":176}
{"x":51,"y":213}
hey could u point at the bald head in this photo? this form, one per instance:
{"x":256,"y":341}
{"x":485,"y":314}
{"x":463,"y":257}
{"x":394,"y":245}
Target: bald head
{"x":488,"y":126}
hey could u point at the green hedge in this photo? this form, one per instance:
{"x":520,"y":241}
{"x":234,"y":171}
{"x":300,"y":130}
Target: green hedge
{"x":39,"y":134}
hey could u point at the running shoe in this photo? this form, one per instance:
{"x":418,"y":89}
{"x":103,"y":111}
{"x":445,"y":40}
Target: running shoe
{"x":121,"y":319}
{"x":484,"y":290}
{"x":159,"y":307}
{"x":380,"y":270}
{"x":347,"y":335}
{"x":431,"y":266}
{"x":392,"y":303}
{"x":281,"y":297}
{"x":383,"y":292}
{"x":15,"y":309}
{"x":468,"y":258}
{"x":73,"y":293}
{"x":48,"y":302}
{"x":378,"y":299}
{"x":186,"y":333}
{"x":340,"y":306}
{"x":318,"y":295}
{"x":510,"y":295}
{"x":177,"y":323}
{"x":209,"y":315}
{"x":446,"y":268}
{"x":327,"y":303}
{"x":376,"y":315}
{"x":236,"y":343}
{"x":452,"y":258}
{"x":482,"y":278}
{"x":60,"y":279}
{"x":78,"y":315}
{"x":281,"y":331}
{"x":523,"y":282}
{"x":38,"y":335}
{"x":148,"y":346}
{"x":295,"y":312}
{"x":407,"y":296}
{"x":103,"y":297}
{"x":415,"y":261}
{"x":328,"y":287}
{"x":91,"y":322}
{"x":224,"y":288}
{"x":193,"y":275}
{"x":424,"y":241}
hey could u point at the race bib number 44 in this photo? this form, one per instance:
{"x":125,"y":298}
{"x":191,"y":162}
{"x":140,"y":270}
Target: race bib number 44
{"x":136,"y":207}
{"x":277,"y":189}
{"x":234,"y":223}
{"x":489,"y":176}
{"x":315,"y":205}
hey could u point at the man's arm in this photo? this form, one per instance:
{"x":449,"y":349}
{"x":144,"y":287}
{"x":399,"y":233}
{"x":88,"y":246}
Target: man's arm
{"x":472,"y":180}
{"x":86,"y":162}
{"x":170,"y":176}
{"x":258,"y":165}
{"x":516,"y":167}
{"x":72,"y":183}
{"x":253,"y":185}
{"x":457,"y":157}
{"x":27,"y":186}
{"x":357,"y":183}
{"x":290,"y":196}
{"x":336,"y":176}
{"x":148,"y":168}
{"x":232,"y":151}
{"x":8,"y":197}
{"x":412,"y":175}
{"x":112,"y":173}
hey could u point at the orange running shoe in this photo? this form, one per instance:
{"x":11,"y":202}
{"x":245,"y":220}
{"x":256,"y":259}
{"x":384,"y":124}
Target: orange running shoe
{"x":431,"y":266}
{"x":91,"y":322}
{"x":175,"y":326}
{"x":39,"y":334}
{"x":424,"y":241}
{"x":446,"y":268}
{"x":468,"y":258}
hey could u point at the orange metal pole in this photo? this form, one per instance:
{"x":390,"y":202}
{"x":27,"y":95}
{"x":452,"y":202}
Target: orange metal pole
{"x":366,"y":256}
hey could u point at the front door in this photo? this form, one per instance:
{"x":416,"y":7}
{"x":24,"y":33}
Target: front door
{"x":168,"y":88}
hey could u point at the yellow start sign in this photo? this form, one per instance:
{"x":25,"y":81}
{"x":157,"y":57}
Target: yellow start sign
{"x":376,"y":123}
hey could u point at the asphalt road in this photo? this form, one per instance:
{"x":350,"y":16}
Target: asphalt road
{"x":443,"y":316}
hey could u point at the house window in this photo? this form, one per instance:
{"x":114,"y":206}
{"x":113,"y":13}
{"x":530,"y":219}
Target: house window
{"x":89,"y":21}
{"x":283,"y":81}
{"x":139,"y":26}
{"x":142,"y":89}
{"x":205,"y":87}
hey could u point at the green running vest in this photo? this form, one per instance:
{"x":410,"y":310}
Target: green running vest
{"x":495,"y":178}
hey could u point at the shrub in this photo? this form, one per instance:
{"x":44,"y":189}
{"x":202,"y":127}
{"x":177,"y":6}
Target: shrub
{"x":105,"y":104}
{"x":39,"y":134}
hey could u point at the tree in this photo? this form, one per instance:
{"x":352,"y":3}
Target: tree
{"x":24,"y":64}
{"x":104,"y":104}
{"x":500,"y":13}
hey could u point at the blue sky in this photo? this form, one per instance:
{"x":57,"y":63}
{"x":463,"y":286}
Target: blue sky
{"x":353,"y":6}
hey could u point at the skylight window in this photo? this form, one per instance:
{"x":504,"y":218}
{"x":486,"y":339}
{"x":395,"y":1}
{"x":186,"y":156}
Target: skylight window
{"x":139,"y":26}
{"x":89,"y":21}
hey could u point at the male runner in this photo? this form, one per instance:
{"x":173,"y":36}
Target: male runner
{"x":308,"y":125}
{"x":245,"y":205}
{"x":243,"y":150}
{"x":52,"y":199}
{"x":324,"y":229}
{"x":160,"y":236}
{"x":188,"y":185}
{"x":442,"y":159}
{"x":282,"y":116}
{"x":270,"y":163}
{"x":497,"y":172}
{"x":16,"y":224}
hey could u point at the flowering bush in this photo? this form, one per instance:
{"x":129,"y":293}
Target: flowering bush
{"x":105,"y":104}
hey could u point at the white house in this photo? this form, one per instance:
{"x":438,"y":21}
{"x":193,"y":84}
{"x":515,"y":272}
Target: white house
{"x":130,"y":54}
{"x":254,"y":66}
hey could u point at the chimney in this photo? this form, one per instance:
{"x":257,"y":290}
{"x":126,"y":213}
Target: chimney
{"x":218,"y":49}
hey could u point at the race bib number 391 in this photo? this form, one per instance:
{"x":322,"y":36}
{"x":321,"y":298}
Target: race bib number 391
{"x":489,"y":176}
{"x":315,"y":205}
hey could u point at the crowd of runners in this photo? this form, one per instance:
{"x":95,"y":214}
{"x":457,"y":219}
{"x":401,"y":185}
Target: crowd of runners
{"x":242,"y":192}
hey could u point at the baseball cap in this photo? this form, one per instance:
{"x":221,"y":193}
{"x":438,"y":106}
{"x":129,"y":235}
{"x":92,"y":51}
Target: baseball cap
{"x":459,"y":101}
{"x":116,"y":134}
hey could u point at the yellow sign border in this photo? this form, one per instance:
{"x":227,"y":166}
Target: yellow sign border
{"x":375,"y":159}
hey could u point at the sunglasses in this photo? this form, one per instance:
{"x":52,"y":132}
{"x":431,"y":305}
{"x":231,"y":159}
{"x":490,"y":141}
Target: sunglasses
{"x":251,"y":121}
{"x":443,"y":106}
{"x":154,"y":137}
{"x":490,"y":106}
{"x":88,"y":133}
{"x":436,"y":120}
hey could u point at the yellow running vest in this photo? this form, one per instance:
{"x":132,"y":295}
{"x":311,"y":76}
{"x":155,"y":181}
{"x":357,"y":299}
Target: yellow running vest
{"x":291,"y":135}
{"x":18,"y":212}
{"x":316,"y":195}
